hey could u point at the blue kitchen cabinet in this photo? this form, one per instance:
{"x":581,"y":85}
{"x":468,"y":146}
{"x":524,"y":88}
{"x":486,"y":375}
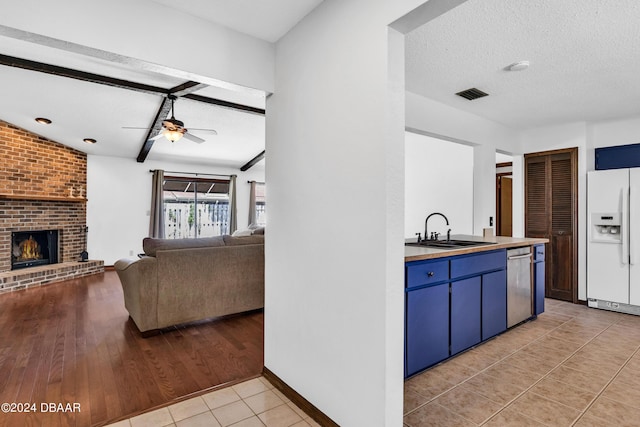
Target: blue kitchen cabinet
{"x":465,"y":314}
{"x":427,"y":327}
{"x":489,"y":268}
{"x":538,"y":278}
{"x":494,"y":303}
{"x":452,"y":304}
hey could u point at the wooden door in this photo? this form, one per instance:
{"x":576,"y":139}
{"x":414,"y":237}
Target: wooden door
{"x":504,"y":208}
{"x":551,"y":212}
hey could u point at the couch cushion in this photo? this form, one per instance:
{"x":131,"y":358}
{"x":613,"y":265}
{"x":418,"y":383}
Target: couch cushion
{"x":239,"y":233}
{"x":257,"y":231}
{"x":151,"y":245}
{"x":243,"y":240}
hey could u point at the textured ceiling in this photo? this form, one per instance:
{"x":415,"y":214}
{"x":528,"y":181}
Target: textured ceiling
{"x":584,"y":55}
{"x":585,"y":59}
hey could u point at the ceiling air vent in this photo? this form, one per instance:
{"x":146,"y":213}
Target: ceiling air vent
{"x":472,"y":94}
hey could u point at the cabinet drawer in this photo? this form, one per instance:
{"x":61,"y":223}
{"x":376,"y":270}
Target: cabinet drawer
{"x":478,"y":263}
{"x":426,"y":273}
{"x":538,"y":253}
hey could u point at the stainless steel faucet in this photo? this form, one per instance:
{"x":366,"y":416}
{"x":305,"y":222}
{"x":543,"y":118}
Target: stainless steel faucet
{"x":435,"y":235}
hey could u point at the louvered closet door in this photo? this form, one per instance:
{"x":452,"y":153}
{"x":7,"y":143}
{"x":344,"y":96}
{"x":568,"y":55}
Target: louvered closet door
{"x":562,"y":227}
{"x":550,"y":212}
{"x":537,"y":198}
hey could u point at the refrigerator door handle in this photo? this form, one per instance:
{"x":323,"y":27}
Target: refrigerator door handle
{"x":634,"y":200}
{"x":624,"y":233}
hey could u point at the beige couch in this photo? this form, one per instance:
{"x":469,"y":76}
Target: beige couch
{"x":179,"y":281}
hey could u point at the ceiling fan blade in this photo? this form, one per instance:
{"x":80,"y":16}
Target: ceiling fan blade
{"x":133,"y":127}
{"x":212,"y":131}
{"x":158,"y":136}
{"x":193,"y":138}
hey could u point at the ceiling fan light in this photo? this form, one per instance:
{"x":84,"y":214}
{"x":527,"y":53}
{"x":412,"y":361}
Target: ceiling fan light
{"x":172,"y":135}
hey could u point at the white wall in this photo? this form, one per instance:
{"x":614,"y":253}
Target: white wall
{"x":438,"y":178}
{"x":433,"y":118}
{"x":119,"y":200}
{"x":334,"y":252}
{"x":517,"y":195}
{"x":437,"y":119}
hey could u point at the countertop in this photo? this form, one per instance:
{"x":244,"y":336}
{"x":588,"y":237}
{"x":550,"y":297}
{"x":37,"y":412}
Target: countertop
{"x":417,"y":253}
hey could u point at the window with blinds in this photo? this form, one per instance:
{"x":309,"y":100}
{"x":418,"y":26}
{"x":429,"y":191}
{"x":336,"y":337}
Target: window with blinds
{"x":195,"y":207}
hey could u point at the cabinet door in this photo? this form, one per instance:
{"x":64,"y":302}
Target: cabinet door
{"x":494,"y":303}
{"x":427,"y":327}
{"x":465,"y":314}
{"x":551,"y":211}
{"x":538,"y":281}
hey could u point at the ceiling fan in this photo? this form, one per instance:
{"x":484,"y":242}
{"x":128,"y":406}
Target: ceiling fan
{"x":173,"y":129}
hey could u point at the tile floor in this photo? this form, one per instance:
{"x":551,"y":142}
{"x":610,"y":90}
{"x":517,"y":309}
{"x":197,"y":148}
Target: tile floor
{"x":253,"y":403}
{"x":572,"y":366}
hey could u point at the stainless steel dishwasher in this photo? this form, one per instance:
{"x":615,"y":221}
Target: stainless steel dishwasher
{"x":518,"y":285}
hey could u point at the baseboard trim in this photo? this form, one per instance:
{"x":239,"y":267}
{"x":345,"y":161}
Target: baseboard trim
{"x":297,"y":399}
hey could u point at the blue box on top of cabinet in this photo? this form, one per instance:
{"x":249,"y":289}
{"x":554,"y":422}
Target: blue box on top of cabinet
{"x":617,"y":157}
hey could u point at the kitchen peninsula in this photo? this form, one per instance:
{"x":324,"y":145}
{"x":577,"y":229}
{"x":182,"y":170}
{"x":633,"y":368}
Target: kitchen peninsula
{"x":461,"y":292}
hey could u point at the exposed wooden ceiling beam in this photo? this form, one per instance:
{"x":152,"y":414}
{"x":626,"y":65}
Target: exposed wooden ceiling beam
{"x":155,"y":129}
{"x":252,"y":162}
{"x":184,"y":90}
{"x":226,"y":104}
{"x":187,"y":88}
{"x":55,"y":70}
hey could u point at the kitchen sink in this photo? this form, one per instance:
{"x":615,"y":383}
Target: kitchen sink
{"x":449,"y":244}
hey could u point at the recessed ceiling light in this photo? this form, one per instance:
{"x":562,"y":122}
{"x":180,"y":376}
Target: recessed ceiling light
{"x":43,"y":121}
{"x":518,"y":66}
{"x":90,"y":140}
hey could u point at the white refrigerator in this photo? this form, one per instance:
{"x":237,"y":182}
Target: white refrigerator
{"x":613,"y":251}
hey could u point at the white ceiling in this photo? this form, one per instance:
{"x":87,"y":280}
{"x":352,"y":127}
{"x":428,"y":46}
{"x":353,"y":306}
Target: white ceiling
{"x":584,"y":55}
{"x":265,"y":19}
{"x":81,"y":109}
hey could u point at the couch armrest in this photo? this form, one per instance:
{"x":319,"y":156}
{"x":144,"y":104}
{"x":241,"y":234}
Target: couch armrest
{"x":139,"y":279}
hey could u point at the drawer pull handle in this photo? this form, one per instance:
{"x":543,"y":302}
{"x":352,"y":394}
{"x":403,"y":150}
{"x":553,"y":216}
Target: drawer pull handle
{"x":430,"y":274}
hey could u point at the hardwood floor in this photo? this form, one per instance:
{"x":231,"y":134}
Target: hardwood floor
{"x":73,"y":342}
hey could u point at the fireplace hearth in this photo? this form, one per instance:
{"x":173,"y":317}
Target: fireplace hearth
{"x":34,"y":247}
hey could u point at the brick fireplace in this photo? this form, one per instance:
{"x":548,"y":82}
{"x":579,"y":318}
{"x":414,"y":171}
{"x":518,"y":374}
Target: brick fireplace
{"x":42,"y":187}
{"x":33,"y":247}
